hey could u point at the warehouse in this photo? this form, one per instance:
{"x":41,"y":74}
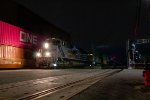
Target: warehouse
{"x":21,"y":32}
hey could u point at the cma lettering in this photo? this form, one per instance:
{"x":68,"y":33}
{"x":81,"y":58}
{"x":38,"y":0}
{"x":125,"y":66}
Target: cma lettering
{"x":28,"y":38}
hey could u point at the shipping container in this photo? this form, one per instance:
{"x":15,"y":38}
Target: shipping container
{"x":17,"y":46}
{"x":19,"y":37}
{"x":14,"y":57}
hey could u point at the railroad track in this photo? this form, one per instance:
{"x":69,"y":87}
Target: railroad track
{"x":93,"y":79}
{"x":39,"y":88}
{"x":4,"y":87}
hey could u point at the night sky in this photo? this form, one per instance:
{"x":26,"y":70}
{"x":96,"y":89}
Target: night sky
{"x":93,"y":22}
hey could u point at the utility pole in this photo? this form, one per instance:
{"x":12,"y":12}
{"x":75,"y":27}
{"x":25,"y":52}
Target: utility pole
{"x":134,"y":36}
{"x":128,"y":54}
{"x":130,"y":49}
{"x":133,"y":55}
{"x":137,"y":20}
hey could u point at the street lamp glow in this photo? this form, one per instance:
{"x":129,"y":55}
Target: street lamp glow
{"x":136,"y":51}
{"x":53,"y":38}
{"x":91,"y":54}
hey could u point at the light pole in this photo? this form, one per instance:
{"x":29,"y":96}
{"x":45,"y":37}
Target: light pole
{"x":128,"y":54}
{"x":137,"y":22}
{"x":130,"y":49}
{"x":133,"y":52}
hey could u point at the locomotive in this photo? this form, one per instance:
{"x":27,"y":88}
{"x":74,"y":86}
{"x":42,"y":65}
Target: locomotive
{"x":56,"y":54}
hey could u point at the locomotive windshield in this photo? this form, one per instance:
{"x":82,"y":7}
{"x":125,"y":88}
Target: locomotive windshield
{"x":55,"y":42}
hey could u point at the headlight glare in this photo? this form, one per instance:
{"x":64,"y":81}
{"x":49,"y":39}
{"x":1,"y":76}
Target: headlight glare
{"x":46,"y":45}
{"x":38,"y":54}
{"x":47,"y":54}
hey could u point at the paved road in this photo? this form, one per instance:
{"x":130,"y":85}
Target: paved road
{"x":17,"y":84}
{"x":126,"y":85}
{"x":10,"y":76}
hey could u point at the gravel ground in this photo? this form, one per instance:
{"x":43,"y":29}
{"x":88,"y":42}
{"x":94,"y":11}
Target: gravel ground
{"x":126,"y":85}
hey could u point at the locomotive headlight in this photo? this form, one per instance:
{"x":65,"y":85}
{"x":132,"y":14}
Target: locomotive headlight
{"x":47,"y":54}
{"x":46,"y":45}
{"x":54,"y":64}
{"x":38,"y":54}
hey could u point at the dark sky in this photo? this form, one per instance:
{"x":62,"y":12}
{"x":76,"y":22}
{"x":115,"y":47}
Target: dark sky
{"x":97,"y":22}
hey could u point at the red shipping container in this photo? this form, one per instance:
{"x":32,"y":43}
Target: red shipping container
{"x":17,"y":46}
{"x":19,"y":37}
